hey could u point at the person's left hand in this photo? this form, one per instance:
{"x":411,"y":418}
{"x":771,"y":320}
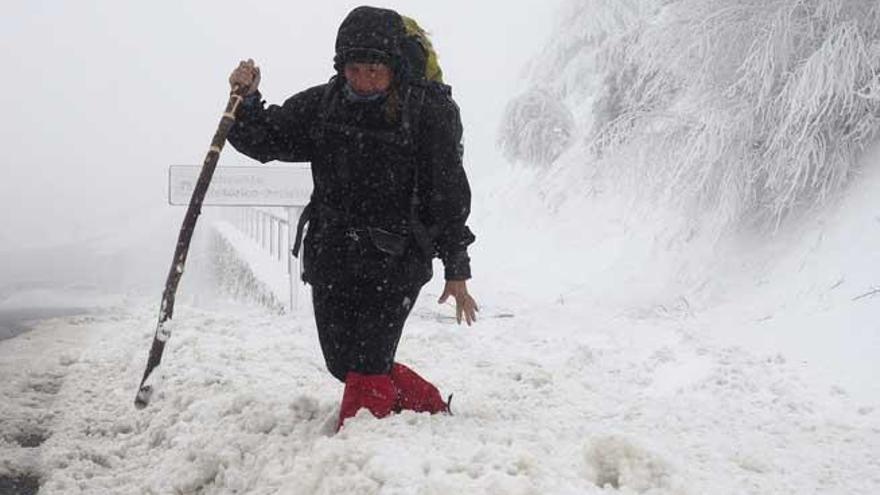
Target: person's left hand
{"x":464,"y":303}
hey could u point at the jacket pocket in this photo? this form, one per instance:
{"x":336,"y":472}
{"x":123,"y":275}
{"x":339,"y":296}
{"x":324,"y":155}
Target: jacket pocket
{"x":387,"y":242}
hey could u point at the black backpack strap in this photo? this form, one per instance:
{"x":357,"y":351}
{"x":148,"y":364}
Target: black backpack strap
{"x":304,"y":218}
{"x":422,"y":235}
{"x":328,"y":102}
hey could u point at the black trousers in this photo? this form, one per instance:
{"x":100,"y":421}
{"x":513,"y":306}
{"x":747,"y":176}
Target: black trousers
{"x":360,"y":323}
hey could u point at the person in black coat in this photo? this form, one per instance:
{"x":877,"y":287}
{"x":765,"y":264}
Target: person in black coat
{"x":390,"y":193}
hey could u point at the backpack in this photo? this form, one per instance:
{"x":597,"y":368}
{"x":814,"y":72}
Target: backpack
{"x":419,"y":52}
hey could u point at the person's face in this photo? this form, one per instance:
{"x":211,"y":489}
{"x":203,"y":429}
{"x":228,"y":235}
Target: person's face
{"x":368,"y":79}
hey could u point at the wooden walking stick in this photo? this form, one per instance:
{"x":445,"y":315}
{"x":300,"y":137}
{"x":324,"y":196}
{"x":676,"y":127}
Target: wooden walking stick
{"x":166,"y":310}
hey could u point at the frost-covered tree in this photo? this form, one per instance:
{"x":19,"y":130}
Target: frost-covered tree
{"x":748,"y":108}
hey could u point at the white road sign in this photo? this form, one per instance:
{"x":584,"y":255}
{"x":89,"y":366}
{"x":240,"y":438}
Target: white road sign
{"x":264,"y":185}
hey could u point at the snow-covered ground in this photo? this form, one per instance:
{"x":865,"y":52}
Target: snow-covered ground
{"x":550,"y":397}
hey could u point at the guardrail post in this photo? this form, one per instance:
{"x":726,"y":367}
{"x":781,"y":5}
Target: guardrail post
{"x":280,"y":242}
{"x":264,"y":229}
{"x":293,"y":264}
{"x":272,"y":237}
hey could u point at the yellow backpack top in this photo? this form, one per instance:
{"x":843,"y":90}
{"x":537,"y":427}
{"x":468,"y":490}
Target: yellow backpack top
{"x":432,"y":65}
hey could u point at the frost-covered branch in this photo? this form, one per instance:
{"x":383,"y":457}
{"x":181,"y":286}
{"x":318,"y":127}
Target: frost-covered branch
{"x":748,"y":108}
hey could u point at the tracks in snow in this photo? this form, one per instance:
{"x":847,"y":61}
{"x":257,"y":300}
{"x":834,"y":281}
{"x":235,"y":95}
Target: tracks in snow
{"x":551,"y":400}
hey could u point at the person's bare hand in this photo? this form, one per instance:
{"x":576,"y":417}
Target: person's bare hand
{"x":246,"y":75}
{"x":465,"y":305}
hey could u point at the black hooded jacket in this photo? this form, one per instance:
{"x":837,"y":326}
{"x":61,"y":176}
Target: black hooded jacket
{"x":365,"y":159}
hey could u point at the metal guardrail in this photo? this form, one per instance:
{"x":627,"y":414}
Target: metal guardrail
{"x":240,"y":190}
{"x":272,"y":229}
{"x":268,"y":227}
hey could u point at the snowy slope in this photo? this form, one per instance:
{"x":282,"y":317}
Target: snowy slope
{"x":812,"y":290}
{"x":807,"y":290}
{"x":552,"y":398}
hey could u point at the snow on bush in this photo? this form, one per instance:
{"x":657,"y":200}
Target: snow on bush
{"x":751,"y":109}
{"x":537,"y":128}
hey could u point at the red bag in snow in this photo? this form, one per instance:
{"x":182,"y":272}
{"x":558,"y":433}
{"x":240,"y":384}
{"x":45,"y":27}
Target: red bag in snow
{"x":414,"y":393}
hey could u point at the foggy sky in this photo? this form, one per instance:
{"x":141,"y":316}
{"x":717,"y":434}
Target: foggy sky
{"x":99,"y":98}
